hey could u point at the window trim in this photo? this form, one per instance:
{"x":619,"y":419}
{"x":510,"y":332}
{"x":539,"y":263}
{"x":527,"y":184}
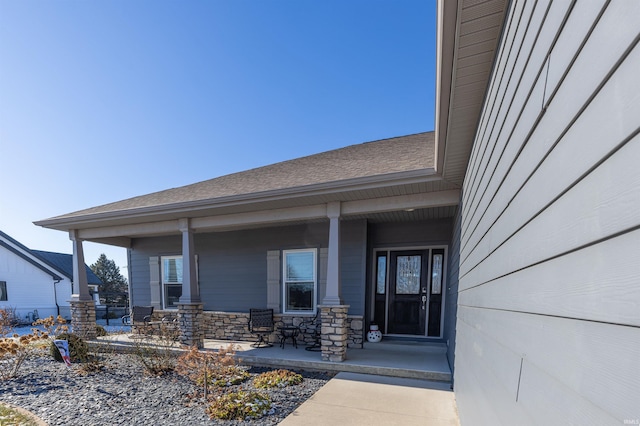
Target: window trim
{"x":163,"y":284}
{"x":314,"y":306}
{"x":5,"y":292}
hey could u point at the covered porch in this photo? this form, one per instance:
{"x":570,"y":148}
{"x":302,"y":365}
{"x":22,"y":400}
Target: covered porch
{"x":209,"y":252}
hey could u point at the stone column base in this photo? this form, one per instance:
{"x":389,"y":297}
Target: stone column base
{"x":190,"y":319}
{"x":83,"y":318}
{"x":335,"y":330}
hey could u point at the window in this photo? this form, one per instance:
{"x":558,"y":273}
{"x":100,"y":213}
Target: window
{"x":436,"y":274}
{"x":171,"y":281}
{"x":381,"y":274}
{"x":3,"y":291}
{"x":299,"y":283}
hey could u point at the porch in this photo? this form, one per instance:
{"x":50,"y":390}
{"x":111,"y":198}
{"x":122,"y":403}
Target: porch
{"x":417,"y":360}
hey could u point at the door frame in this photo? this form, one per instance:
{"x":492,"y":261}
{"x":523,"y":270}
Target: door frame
{"x":372,"y":286}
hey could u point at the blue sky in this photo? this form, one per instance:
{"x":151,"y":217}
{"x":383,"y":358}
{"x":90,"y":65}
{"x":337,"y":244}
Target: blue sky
{"x":102,"y":101}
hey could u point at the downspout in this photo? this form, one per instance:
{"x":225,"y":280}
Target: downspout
{"x":55,"y":295}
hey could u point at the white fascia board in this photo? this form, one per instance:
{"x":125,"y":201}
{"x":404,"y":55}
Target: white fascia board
{"x":447,"y":37}
{"x":31,"y":258}
{"x":268,"y":217}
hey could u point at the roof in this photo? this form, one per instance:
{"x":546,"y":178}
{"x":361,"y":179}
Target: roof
{"x":64,"y":263}
{"x":23,"y":251}
{"x":46,"y":261}
{"x":381,"y":159}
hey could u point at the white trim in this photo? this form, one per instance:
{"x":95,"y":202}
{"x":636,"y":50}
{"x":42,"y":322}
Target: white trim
{"x":180,"y":208}
{"x":264,"y":217}
{"x":315,"y":281}
{"x":163,"y":283}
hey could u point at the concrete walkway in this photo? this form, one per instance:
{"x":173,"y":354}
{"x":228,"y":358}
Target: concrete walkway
{"x":362,"y":399}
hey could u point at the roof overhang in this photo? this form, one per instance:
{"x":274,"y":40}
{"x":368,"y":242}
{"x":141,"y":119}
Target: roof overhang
{"x":469,"y":32}
{"x":406,"y":191}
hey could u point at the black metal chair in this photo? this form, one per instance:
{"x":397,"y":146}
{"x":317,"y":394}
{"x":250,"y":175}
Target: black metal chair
{"x":313,"y":327}
{"x":139,"y":319}
{"x":261,"y":324}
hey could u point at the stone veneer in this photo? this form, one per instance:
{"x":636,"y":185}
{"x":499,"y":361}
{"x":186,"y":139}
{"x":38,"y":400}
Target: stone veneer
{"x":233,"y":326}
{"x":334,"y":332}
{"x":83,"y":318}
{"x":189,"y":320}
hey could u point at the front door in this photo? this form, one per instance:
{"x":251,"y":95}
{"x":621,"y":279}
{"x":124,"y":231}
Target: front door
{"x":408,"y":292}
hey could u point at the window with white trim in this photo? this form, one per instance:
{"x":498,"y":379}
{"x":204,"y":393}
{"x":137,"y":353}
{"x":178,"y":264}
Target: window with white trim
{"x":3,"y":291}
{"x":299,"y":282}
{"x":171,"y":281}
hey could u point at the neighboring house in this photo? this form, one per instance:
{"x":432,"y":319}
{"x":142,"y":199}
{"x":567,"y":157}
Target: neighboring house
{"x":37,"y":283}
{"x":511,"y":234}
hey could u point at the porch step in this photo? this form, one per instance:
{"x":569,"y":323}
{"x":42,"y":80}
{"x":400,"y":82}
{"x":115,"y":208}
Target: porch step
{"x":348,"y":366}
{"x":412,"y":360}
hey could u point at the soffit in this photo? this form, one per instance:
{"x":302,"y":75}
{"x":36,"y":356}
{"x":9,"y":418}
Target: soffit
{"x":468,"y":35}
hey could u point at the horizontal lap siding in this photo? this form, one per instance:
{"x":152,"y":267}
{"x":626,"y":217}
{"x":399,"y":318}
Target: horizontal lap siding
{"x":451,"y":295}
{"x":232,"y":266}
{"x":353,"y":261}
{"x":402,"y":234}
{"x":548,"y":299}
{"x":143,"y":248}
{"x":28,"y":287}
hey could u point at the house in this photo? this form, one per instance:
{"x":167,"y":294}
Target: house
{"x":37,"y":283}
{"x":511,"y":233}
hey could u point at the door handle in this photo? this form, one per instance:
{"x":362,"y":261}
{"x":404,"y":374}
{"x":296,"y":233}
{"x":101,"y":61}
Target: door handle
{"x":424,"y":302}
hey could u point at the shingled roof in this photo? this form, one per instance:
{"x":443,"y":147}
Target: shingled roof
{"x":378,"y":158}
{"x":64,"y":263}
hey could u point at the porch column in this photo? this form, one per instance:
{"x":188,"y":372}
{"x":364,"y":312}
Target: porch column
{"x":334,"y":332}
{"x":333,"y":312}
{"x":83,"y":310}
{"x":190,"y":292}
{"x":190,"y":307}
{"x":332,"y":296}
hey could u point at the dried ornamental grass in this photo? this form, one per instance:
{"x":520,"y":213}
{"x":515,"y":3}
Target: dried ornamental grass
{"x":240,"y":405}
{"x":277,"y":378}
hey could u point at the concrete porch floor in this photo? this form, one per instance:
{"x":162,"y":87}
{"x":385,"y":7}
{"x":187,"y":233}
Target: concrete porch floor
{"x":415,"y":360}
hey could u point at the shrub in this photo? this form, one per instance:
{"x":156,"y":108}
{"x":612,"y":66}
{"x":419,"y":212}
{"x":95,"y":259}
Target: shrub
{"x":100,"y":331}
{"x":14,"y":350}
{"x":240,"y":406}
{"x":277,"y":378}
{"x":53,"y":325}
{"x":78,"y":348}
{"x":8,"y":320}
{"x":212,"y":368}
{"x":157,"y":354}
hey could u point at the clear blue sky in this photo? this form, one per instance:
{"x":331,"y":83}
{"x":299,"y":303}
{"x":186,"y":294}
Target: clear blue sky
{"x":105,"y":100}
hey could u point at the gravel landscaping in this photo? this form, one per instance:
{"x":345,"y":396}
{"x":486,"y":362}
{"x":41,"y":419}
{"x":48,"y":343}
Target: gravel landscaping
{"x":123,"y":394}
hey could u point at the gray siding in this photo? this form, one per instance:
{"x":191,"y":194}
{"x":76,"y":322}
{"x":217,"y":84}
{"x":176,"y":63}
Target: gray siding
{"x":232,"y":266}
{"x":451,"y":291}
{"x":548,"y":330}
{"x":404,"y":234}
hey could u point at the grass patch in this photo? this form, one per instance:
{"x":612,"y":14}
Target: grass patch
{"x":10,"y":416}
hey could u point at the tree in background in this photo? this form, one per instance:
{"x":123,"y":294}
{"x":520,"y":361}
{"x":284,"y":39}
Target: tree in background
{"x":114,"y":286}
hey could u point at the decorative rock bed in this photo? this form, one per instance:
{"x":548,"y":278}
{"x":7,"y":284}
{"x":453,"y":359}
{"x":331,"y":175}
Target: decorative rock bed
{"x":123,"y":394}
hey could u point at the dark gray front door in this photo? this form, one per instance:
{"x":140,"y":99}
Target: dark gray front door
{"x":408,"y":295}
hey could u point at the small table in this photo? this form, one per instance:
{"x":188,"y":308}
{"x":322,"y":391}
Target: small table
{"x":288,"y":333}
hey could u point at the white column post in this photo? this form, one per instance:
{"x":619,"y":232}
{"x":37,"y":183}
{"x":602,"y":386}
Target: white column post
{"x":80,"y":284}
{"x":190,"y":293}
{"x":333,"y":292}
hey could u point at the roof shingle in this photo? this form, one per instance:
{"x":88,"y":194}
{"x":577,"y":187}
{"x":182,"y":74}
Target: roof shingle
{"x":394,"y":155}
